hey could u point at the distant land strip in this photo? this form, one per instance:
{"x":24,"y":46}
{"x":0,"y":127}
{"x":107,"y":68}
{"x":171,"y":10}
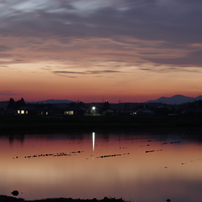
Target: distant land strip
{"x":18,"y":124}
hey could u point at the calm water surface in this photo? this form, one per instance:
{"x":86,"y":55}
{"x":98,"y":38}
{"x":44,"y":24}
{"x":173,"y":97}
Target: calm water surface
{"x":141,"y":167}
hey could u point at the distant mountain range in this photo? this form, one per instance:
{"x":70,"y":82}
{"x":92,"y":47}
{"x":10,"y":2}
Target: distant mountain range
{"x":176,"y":99}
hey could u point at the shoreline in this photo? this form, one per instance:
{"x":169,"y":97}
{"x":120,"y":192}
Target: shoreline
{"x":36,"y":124}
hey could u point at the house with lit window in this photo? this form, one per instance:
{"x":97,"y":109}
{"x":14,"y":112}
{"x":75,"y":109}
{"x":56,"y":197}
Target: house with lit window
{"x":33,"y":110}
{"x":74,"y":110}
{"x":27,"y":110}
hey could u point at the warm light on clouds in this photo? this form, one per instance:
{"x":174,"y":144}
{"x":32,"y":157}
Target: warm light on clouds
{"x":130,"y":50}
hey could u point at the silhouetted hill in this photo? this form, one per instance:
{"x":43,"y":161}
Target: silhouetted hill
{"x":198,"y":98}
{"x":176,"y":99}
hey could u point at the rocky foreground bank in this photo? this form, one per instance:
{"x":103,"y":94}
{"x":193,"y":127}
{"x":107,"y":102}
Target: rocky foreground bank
{"x":13,"y":199}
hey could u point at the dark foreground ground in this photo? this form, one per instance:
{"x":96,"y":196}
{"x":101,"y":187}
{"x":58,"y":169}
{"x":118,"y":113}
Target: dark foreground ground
{"x":15,"y":124}
{"x":13,"y":199}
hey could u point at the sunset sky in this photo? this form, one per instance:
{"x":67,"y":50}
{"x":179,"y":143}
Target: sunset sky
{"x":95,"y":50}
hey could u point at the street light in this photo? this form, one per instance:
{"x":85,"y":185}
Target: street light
{"x":93,"y":109}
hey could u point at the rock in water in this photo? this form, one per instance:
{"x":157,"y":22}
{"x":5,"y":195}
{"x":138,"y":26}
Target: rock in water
{"x":15,"y":192}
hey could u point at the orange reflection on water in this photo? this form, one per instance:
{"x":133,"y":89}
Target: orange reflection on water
{"x":98,"y":165}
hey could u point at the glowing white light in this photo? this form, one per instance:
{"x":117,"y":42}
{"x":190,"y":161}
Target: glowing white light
{"x":93,"y":140}
{"x":71,"y":112}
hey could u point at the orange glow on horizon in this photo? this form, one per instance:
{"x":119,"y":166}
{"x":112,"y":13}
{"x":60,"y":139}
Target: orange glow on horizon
{"x":43,"y":85}
{"x":92,"y":73}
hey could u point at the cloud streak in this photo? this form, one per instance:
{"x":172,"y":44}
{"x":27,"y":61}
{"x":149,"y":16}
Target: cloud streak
{"x":66,"y":73}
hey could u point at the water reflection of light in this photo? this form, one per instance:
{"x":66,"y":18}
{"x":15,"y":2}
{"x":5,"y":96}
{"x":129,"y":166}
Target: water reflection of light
{"x":93,"y":140}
